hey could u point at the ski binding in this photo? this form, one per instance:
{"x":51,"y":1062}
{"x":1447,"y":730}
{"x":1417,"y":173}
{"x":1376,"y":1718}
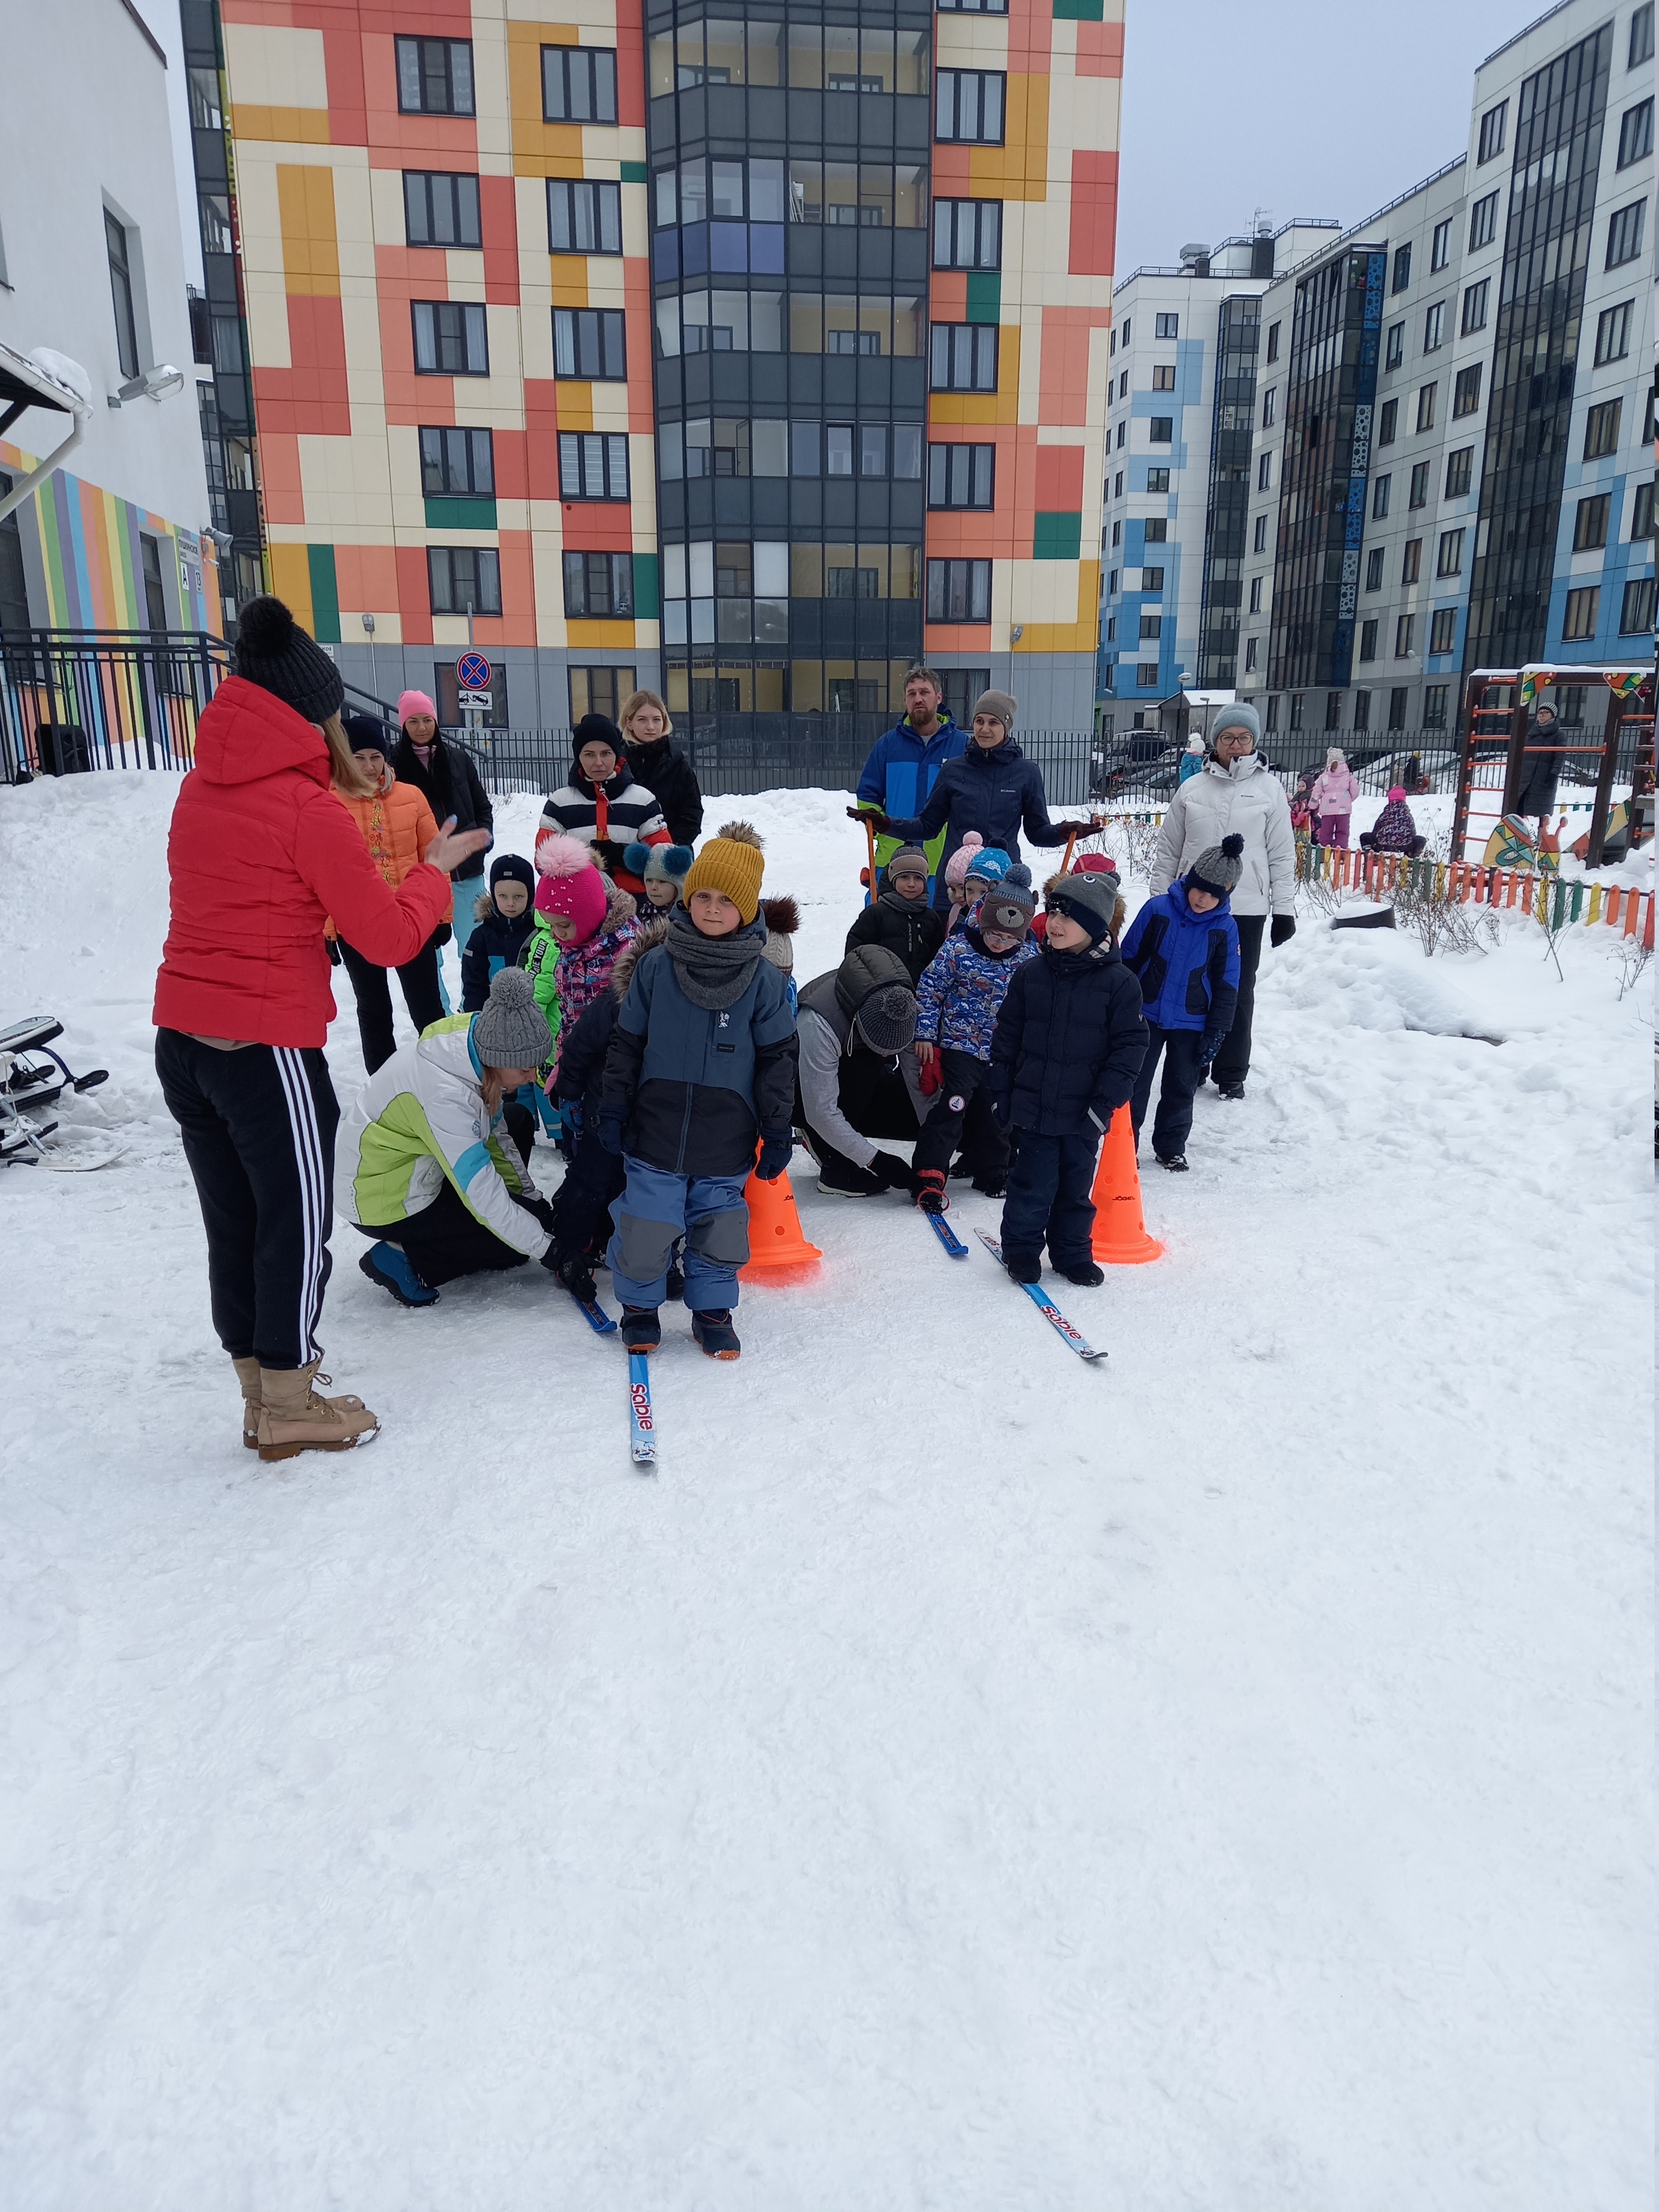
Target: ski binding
{"x":947,"y":1236}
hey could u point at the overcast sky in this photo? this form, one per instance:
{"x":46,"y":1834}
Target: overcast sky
{"x":1300,"y":106}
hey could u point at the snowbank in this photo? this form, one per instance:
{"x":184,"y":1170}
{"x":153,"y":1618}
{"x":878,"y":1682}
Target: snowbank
{"x":958,"y":1778}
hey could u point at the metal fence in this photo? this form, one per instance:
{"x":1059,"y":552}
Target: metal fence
{"x":77,"y":699}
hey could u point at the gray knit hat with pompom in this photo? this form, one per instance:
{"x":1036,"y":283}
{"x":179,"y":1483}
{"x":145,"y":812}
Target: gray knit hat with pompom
{"x":512,"y":1029}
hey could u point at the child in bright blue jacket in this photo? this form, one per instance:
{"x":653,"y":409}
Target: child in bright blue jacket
{"x":1183,"y":946}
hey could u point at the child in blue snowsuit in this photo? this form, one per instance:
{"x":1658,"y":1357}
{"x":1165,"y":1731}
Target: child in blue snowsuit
{"x":1183,"y":945}
{"x":957,"y":1001}
{"x":701,"y":1063}
{"x":505,"y":915}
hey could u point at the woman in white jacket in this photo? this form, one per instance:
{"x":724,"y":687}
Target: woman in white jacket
{"x":1237,"y":796}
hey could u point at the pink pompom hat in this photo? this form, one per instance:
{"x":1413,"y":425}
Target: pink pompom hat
{"x":571,"y":884}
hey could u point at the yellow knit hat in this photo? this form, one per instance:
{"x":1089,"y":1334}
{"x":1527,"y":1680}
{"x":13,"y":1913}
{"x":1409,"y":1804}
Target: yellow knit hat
{"x":730,"y":862}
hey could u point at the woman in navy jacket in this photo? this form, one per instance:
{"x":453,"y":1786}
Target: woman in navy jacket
{"x":992,"y":788}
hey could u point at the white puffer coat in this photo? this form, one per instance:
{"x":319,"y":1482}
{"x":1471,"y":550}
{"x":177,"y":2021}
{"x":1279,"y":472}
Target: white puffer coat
{"x":1244,"y":800}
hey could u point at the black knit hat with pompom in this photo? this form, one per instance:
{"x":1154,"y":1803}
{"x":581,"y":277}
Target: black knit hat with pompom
{"x":273,"y":652}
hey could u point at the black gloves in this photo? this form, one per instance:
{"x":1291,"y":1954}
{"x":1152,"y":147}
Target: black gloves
{"x":890,"y":1171}
{"x":775,"y":1153}
{"x":442,"y":934}
{"x":539,"y":1207}
{"x":1210,"y":1044}
{"x":333,"y":945}
{"x":610,"y":1133}
{"x":1284,"y":929}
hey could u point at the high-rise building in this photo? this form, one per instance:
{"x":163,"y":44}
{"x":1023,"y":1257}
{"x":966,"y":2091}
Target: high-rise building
{"x":750,"y":354}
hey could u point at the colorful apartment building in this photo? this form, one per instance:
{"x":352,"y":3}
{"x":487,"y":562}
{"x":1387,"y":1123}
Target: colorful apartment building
{"x":747,"y":353}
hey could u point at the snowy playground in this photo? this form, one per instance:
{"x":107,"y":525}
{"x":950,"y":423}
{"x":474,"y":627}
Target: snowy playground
{"x":958,"y":1777}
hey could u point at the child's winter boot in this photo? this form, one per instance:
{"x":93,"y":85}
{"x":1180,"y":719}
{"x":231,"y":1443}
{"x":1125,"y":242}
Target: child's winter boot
{"x":929,"y":1190}
{"x":714,"y":1332}
{"x":293,"y":1419}
{"x":1084,"y":1274}
{"x":1022,"y":1266}
{"x":247,"y":1374}
{"x":390,"y":1265}
{"x":641,"y":1331}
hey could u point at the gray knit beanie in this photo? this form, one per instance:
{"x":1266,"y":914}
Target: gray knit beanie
{"x":1002,"y":704}
{"x":1090,"y":901}
{"x":1218,"y":867}
{"x":887,"y":1019}
{"x":512,"y":1029}
{"x":1239,"y":716}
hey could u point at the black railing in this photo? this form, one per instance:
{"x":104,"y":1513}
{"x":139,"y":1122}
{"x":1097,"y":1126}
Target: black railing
{"x":73,"y":699}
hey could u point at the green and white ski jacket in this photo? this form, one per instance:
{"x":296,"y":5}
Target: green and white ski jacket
{"x":421,"y":1120}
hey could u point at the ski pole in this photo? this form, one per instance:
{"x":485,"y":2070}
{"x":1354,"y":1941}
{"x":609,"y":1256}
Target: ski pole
{"x":869,"y":841}
{"x":1066,"y":862}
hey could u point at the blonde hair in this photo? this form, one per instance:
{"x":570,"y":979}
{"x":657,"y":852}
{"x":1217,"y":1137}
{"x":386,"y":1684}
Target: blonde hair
{"x":350,"y":780}
{"x":632,"y":705}
{"x":494,"y":1084}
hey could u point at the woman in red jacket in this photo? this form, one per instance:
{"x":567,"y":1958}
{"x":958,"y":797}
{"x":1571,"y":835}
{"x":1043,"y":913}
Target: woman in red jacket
{"x":260,"y":854}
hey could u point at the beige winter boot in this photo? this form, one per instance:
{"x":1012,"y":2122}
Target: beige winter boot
{"x":247,"y":1374}
{"x":293,"y":1419}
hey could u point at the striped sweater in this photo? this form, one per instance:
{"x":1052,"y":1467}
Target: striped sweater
{"x":610,"y":816}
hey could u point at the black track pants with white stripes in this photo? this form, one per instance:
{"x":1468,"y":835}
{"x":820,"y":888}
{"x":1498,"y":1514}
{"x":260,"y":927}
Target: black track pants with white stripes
{"x":259,"y":1128}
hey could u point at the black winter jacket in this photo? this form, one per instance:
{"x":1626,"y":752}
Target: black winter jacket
{"x":910,"y":928}
{"x":668,"y":774}
{"x":450,"y":785}
{"x":1068,"y":1043}
{"x":998,"y":793}
{"x":495,"y":942}
{"x":581,"y":1061}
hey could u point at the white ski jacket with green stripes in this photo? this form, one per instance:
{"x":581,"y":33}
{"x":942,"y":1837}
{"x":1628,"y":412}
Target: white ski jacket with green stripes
{"x":421,"y":1120}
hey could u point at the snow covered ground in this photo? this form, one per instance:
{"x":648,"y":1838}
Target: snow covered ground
{"x":959,"y":1779}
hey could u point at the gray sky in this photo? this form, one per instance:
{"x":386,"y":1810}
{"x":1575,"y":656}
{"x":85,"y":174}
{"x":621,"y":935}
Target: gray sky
{"x":1300,"y":106}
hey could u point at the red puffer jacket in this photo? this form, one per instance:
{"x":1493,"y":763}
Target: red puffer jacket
{"x":260,"y":853}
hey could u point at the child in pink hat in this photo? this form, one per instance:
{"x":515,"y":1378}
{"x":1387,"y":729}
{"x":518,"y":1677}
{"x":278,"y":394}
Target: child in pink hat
{"x":583,"y":921}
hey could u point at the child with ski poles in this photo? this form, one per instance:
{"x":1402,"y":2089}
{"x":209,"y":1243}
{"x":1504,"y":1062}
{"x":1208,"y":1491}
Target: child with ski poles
{"x":701,"y":1064}
{"x":1183,"y":947}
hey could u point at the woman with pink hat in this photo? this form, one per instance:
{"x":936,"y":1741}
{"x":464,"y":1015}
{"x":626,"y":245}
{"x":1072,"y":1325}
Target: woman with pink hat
{"x":446,"y":778}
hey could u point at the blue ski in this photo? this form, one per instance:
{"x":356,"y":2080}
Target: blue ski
{"x":643,"y":1428}
{"x":947,"y":1236}
{"x":1046,"y":1306}
{"x":596,"y":1317}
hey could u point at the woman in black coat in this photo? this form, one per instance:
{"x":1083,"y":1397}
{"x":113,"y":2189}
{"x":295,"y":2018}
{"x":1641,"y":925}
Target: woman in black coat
{"x":647,"y":732}
{"x":992,"y":788}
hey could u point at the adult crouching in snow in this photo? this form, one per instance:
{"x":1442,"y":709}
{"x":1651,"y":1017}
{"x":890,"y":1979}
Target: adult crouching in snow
{"x":446,"y":778}
{"x":1236,"y":794}
{"x":858,"y":1078}
{"x":426,"y":1166}
{"x":260,"y":854}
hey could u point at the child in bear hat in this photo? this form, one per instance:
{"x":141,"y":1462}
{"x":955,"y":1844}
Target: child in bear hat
{"x":1183,"y":946}
{"x":661,"y":869}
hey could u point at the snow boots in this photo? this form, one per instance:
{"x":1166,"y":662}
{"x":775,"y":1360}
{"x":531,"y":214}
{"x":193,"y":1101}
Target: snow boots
{"x":929,"y":1190}
{"x":1085,"y":1275}
{"x":390,"y":1265}
{"x":641,"y":1331}
{"x":247,"y":1374}
{"x":293,"y":1419}
{"x":714,"y":1333}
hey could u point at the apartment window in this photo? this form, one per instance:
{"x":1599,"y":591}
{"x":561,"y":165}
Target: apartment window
{"x":1272,"y":713}
{"x":1440,"y":249}
{"x":1387,"y":422}
{"x":1641,"y":36}
{"x":439,"y":208}
{"x":1111,"y":583}
{"x":1404,"y":636}
{"x":592,"y":464}
{"x":1635,"y":134}
{"x":1613,"y":333}
{"x":1434,"y":327}
{"x":962,"y":476}
{"x":1641,"y":514}
{"x":1398,"y":703}
{"x":1395,"y":351}
{"x":1146,"y":675}
{"x":578,"y":84}
{"x":1264,"y":473}
{"x":1466,"y":390}
{"x":155,"y":605}
{"x":1272,"y":341}
{"x":1411,"y":560}
{"x":1163,"y":376}
{"x":1255,"y":594}
{"x":1259,"y":540}
{"x":963,"y":357}
{"x":1448,"y":560}
{"x":973,"y":6}
{"x":599,"y":586}
{"x":1111,"y":626}
{"x":120,"y":285}
{"x":599,"y":691}
{"x":457,"y":464}
{"x":1374,"y":569}
{"x":1166,"y":326}
{"x":1636,"y":612}
{"x":1156,"y":529}
{"x":1647,"y":426}
{"x":1125,"y":333}
{"x":1368,"y":639}
{"x":967,"y":234}
{"x":452,"y":337}
{"x":1160,"y":429}
{"x":1270,"y":407}
{"x":590,"y":343}
{"x":1601,"y":430}
{"x":465,"y":578}
{"x":1157,"y":480}
{"x":1483,"y":222}
{"x":1117,"y":485}
{"x":1402,"y":266}
{"x":1117,"y":534}
{"x":1443,"y":630}
{"x":968,"y":105}
{"x":1362,"y":710}
{"x":1492,"y":125}
{"x":583,"y":216}
{"x":435,"y":77}
{"x":1583,"y":612}
{"x":1434,"y":704}
{"x":1426,"y":406}
{"x":1624,"y":227}
{"x":958,"y":590}
{"x":1250,"y":645}
{"x":1589,"y":523}
{"x":1382,"y":487}
{"x":1152,"y":629}
{"x":1475,"y":297}
{"x":1460,"y":472}
{"x":1123,"y":385}
{"x":1295,"y":710}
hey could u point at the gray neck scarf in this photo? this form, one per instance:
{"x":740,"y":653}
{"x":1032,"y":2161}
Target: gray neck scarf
{"x":713,"y":972}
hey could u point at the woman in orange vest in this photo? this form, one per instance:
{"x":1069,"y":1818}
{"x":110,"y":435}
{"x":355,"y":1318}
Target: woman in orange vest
{"x":396,"y":827}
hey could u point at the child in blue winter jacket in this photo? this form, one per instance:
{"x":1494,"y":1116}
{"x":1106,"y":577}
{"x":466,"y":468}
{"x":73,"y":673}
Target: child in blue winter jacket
{"x":505,"y":916}
{"x":957,"y":1001}
{"x":1183,"y":945}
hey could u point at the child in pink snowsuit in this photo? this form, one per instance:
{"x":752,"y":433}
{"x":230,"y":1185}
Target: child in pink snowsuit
{"x":1332,"y":798}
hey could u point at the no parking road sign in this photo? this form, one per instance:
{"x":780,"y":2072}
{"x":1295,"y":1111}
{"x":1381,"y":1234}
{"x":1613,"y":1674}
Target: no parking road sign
{"x":472,"y":672}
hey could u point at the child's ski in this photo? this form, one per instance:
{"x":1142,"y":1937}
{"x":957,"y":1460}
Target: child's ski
{"x":1046,"y":1306}
{"x":644,"y":1429}
{"x":596,"y":1317}
{"x":947,"y":1236}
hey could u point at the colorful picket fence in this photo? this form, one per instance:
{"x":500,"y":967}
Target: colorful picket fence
{"x":1547,"y":897}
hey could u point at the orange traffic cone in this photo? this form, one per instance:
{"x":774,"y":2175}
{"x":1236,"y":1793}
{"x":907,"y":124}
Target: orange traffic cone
{"x":776,"y":1241}
{"x":1120,"y":1238}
